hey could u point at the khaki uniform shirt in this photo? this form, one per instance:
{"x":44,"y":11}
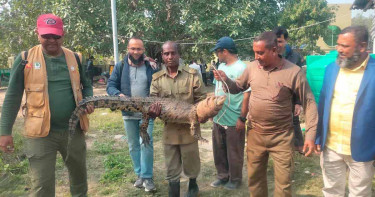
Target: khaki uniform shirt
{"x":186,"y":86}
{"x":271,"y":97}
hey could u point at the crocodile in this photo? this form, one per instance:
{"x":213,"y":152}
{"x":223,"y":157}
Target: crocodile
{"x":172,"y":110}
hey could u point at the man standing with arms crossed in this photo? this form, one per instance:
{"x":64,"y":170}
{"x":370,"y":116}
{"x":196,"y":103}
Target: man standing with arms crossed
{"x":132,"y":77}
{"x":346,"y":131}
{"x":52,"y":79}
{"x":273,"y":81}
{"x":229,"y":143}
{"x":180,"y":148}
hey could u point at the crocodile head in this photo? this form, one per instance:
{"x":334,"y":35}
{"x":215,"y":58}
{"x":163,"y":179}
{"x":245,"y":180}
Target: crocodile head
{"x":209,"y":107}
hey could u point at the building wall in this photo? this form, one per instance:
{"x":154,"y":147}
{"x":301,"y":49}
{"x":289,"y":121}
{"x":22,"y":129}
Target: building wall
{"x":342,"y":20}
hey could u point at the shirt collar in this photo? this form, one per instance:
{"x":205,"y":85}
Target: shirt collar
{"x":165,"y":71}
{"x":363,"y":65}
{"x":277,"y":67}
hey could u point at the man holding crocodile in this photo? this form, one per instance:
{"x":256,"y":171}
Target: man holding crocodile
{"x":180,"y":148}
{"x":132,"y":78}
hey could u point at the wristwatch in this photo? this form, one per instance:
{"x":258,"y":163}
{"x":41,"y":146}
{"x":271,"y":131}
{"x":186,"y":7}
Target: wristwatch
{"x":243,"y":119}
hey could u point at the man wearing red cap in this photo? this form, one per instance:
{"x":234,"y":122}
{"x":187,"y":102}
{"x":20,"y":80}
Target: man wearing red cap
{"x":51,"y":77}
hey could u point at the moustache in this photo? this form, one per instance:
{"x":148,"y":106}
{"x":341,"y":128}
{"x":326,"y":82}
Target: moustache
{"x":136,"y":61}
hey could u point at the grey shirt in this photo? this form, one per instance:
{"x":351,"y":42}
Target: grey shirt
{"x":138,"y":85}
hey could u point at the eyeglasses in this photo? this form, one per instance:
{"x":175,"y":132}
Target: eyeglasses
{"x":50,"y":36}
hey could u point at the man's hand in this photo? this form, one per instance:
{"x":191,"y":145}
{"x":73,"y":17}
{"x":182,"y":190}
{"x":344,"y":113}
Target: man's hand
{"x":152,"y":62}
{"x":240,"y":126}
{"x":6,"y":143}
{"x":297,"y":109}
{"x":220,"y":75}
{"x":89,"y":109}
{"x":309,"y":147}
{"x":154,"y":110}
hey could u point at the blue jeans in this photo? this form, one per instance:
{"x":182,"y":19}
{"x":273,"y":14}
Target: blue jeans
{"x":141,"y":154}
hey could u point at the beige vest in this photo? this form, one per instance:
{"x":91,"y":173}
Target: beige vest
{"x":37,"y":114}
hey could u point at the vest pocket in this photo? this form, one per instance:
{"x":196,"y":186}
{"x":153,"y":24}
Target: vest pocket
{"x":35,"y":110}
{"x":35,"y":95}
{"x":33,"y":124}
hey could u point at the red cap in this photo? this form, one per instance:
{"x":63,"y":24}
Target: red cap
{"x":50,"y":24}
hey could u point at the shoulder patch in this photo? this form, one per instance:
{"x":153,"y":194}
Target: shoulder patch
{"x":158,"y":74}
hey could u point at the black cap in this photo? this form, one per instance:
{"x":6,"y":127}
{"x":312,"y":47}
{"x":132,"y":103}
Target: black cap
{"x":224,"y":43}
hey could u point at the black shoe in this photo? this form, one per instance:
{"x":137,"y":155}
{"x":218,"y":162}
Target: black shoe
{"x":218,"y":183}
{"x":193,"y":188}
{"x":232,"y":185}
{"x":174,"y":189}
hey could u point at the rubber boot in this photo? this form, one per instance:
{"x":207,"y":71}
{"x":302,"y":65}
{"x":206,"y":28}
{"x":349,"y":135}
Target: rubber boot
{"x":174,"y":189}
{"x":193,"y":188}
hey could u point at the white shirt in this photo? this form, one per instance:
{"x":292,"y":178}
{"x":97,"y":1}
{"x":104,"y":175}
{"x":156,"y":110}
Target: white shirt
{"x":196,"y":67}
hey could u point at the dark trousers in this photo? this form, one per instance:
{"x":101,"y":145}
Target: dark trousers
{"x":204,"y":77}
{"x":298,"y":138}
{"x":228,"y":147}
{"x":211,"y":77}
{"x":42,"y":152}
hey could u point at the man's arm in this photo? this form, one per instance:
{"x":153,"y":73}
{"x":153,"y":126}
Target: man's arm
{"x":154,"y":89}
{"x":155,"y":108}
{"x":11,"y":105}
{"x":198,"y":89}
{"x":241,"y":84}
{"x":240,"y":125}
{"x":114,"y":81}
{"x":86,"y":84}
{"x":303,"y":91}
{"x":13,"y":98}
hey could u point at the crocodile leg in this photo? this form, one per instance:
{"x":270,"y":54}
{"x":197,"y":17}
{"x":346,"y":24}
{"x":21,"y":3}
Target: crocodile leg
{"x":195,"y":131}
{"x":143,"y":129}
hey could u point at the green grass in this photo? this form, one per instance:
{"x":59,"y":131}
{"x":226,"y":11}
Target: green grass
{"x":110,"y":171}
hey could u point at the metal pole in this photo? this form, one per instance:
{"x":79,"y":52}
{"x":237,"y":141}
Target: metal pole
{"x":114,"y":31}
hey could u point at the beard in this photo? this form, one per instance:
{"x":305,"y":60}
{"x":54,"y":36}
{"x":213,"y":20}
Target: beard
{"x":136,"y":61}
{"x":349,"y":62}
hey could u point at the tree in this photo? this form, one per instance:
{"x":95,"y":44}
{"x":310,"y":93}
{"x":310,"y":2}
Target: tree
{"x":313,"y":16}
{"x":88,"y":23}
{"x":365,"y":21}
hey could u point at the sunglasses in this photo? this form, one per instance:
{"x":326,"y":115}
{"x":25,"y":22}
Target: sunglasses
{"x":50,"y":36}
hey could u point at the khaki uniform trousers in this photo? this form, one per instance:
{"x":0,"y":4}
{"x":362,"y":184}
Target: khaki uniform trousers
{"x":182,"y":157}
{"x":42,"y":152}
{"x":280,"y":147}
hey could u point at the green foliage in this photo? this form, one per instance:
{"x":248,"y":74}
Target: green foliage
{"x":19,"y":167}
{"x":107,"y":121}
{"x":103,"y":147}
{"x":88,"y":23}
{"x":365,"y":21}
{"x":16,"y":162}
{"x":300,"y":13}
{"x":116,"y":166}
